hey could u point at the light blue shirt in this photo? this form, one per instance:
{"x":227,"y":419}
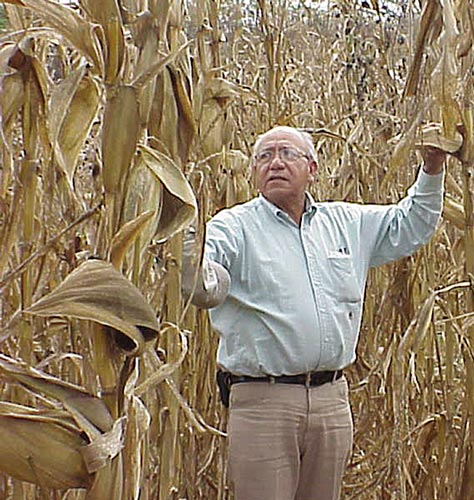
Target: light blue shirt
{"x":296,"y":294}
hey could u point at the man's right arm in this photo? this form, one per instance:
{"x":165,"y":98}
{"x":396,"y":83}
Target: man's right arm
{"x":207,"y":285}
{"x":207,"y":282}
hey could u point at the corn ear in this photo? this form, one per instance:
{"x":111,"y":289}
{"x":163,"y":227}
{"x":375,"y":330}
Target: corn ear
{"x":186,"y":123}
{"x":41,"y":447}
{"x":444,"y":77}
{"x":165,"y":109}
{"x":417,"y":329}
{"x":454,"y":213}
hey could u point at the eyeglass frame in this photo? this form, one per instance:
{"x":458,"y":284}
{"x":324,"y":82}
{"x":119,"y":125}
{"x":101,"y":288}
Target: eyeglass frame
{"x":276,"y":152}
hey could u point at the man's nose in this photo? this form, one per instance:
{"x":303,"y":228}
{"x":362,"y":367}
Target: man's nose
{"x":276,"y":162}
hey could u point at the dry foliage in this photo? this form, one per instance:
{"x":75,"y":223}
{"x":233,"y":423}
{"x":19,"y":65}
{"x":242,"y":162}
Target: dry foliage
{"x":118,"y":119}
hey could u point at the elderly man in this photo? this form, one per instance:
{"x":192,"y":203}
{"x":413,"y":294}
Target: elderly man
{"x":284,"y":278}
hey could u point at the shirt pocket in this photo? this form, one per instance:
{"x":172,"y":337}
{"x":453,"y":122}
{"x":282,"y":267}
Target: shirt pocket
{"x":342,"y":278}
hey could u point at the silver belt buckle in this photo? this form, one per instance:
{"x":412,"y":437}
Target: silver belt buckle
{"x":307,"y":382}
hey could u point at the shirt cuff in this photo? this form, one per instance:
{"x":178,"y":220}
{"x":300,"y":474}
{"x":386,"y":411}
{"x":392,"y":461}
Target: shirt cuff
{"x":429,"y":182}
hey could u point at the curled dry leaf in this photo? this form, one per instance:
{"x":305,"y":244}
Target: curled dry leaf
{"x":96,"y":291}
{"x":12,"y":86}
{"x":179,"y":205}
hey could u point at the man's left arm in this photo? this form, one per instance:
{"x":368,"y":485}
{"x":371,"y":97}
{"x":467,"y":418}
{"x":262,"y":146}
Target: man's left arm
{"x":399,"y":230}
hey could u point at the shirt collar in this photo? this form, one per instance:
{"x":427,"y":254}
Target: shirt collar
{"x":310,"y":205}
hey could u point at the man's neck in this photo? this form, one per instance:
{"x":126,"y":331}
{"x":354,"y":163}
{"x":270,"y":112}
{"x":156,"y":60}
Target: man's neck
{"x":294,"y":208}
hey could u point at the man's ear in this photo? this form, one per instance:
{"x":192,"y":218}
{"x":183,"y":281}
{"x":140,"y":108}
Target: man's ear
{"x":313,"y":166}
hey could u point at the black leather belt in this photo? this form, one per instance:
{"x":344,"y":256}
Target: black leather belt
{"x":310,"y":379}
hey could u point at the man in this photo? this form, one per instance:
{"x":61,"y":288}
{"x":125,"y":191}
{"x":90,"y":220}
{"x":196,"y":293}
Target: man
{"x":284,"y":277}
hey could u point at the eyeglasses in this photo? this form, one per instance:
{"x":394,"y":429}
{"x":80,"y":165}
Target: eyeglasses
{"x":286,"y":154}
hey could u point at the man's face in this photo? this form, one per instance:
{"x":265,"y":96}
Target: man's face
{"x":283,"y":167}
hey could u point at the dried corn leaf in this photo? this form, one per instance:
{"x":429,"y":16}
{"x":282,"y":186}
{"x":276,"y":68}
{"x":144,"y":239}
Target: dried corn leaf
{"x":153,"y":70}
{"x":73,"y":27}
{"x":179,"y":205}
{"x":163,"y":371}
{"x":127,"y":235}
{"x":7,"y":54}
{"x":445,"y":75}
{"x":107,"y":13}
{"x":12,"y":86}
{"x":73,"y":106}
{"x":165,"y":108}
{"x":96,"y":291}
{"x":186,"y":123}
{"x":40,"y":449}
{"x":70,"y":395}
{"x":429,"y":29}
{"x":433,"y":135}
{"x":120,"y":135}
{"x":454,"y":213}
{"x":418,"y":327}
{"x":104,"y":447}
{"x":108,"y":481}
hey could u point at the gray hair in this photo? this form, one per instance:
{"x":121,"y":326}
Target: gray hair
{"x":305,"y":136}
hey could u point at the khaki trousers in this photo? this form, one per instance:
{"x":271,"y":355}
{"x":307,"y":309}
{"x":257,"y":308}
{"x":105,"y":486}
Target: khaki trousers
{"x":289,"y":442}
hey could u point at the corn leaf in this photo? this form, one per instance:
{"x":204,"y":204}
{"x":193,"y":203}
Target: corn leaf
{"x":96,"y":291}
{"x":72,"y":108}
{"x":120,"y":136}
{"x":73,"y":27}
{"x":179,"y":203}
{"x":124,"y":239}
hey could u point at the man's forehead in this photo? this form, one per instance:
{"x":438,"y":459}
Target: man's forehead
{"x":281,"y":136}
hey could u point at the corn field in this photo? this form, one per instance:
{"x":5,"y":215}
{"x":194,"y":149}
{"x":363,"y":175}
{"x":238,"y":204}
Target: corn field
{"x":122,"y":121}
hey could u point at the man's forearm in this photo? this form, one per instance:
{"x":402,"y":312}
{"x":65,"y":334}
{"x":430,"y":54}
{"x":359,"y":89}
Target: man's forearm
{"x":210,"y":287}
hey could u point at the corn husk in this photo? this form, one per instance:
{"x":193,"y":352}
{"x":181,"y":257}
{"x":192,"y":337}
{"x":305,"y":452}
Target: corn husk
{"x":41,"y":447}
